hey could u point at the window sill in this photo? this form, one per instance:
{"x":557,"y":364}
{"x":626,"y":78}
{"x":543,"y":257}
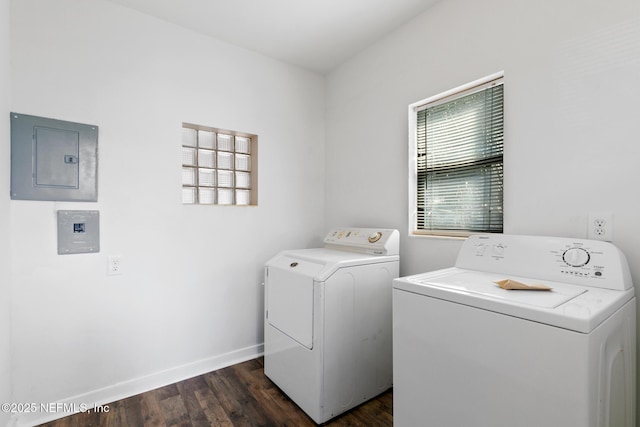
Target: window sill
{"x":449,"y":235}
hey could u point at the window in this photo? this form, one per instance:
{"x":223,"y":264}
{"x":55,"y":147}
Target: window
{"x":218,"y":166}
{"x":456,"y":149}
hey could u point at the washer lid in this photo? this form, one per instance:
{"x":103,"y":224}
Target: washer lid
{"x":577,"y":308}
{"x":484,"y":286}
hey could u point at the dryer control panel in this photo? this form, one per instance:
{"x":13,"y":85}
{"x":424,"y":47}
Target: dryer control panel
{"x":375,"y":241}
{"x":583,"y":262}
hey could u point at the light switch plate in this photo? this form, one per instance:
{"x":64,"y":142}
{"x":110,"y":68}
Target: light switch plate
{"x":78,"y":232}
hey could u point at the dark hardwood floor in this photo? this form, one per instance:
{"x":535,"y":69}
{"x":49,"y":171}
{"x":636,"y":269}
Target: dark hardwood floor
{"x":240,"y":395}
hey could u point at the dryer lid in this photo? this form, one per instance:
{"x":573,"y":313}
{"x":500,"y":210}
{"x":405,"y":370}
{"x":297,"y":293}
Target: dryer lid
{"x":321,"y":263}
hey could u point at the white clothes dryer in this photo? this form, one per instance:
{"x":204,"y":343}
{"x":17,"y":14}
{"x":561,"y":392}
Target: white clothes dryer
{"x":327,"y":327}
{"x":470,"y":353}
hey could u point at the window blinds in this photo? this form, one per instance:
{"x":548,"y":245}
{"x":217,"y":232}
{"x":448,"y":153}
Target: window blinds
{"x":460,"y":163}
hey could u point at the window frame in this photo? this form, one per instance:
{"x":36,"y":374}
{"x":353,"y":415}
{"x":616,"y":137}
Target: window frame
{"x":447,"y":96}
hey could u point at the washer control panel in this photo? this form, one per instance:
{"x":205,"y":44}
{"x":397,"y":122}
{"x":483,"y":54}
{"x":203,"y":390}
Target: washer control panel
{"x":586,"y":262}
{"x":375,"y":241}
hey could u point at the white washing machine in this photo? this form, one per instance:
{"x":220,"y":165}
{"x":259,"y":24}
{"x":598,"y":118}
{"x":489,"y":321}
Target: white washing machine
{"x":469,"y":353}
{"x":327,"y":334}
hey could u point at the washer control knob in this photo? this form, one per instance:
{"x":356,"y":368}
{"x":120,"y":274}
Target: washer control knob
{"x":576,"y":257}
{"x":374,"y":237}
{"x":498,"y":249}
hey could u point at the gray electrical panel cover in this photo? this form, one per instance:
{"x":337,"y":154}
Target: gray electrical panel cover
{"x":53,"y":159}
{"x":78,"y":232}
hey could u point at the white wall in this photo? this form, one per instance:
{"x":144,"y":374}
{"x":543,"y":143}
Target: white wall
{"x":190,"y":299}
{"x":571,"y":137}
{"x":5,"y":277}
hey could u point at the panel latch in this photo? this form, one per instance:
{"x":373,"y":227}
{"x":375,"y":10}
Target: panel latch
{"x":70,"y":159}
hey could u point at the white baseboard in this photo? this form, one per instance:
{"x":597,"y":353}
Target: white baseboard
{"x":101,"y":397}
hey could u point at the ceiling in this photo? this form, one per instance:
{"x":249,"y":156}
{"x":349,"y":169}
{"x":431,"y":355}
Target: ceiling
{"x":314,"y":34}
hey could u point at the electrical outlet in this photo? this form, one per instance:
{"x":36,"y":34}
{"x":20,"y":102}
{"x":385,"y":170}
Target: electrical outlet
{"x":114,"y":265}
{"x":600,"y":226}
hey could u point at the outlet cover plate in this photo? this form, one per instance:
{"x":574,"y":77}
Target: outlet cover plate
{"x":600,"y":226}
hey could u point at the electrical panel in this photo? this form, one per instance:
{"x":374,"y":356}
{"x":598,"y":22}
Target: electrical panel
{"x":78,"y":232}
{"x":53,"y":159}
